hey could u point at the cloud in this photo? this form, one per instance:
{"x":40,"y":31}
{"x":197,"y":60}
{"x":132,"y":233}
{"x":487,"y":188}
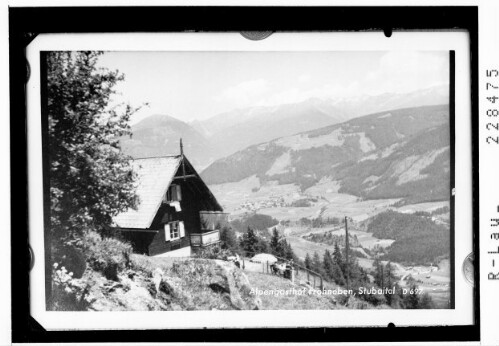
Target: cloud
{"x":406,"y":71}
{"x":394,"y":72}
{"x":245,"y":93}
{"x":304,"y":78}
{"x":297,"y":94}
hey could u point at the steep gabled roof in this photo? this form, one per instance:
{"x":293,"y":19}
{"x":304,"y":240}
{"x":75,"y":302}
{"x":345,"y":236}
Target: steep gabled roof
{"x":155,"y":175}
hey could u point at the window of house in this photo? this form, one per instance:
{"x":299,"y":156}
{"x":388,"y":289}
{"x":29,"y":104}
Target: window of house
{"x":173,"y":194}
{"x":174,"y":230}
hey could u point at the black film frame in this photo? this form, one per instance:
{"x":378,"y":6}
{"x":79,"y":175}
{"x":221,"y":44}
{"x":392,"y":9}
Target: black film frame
{"x":27,"y":22}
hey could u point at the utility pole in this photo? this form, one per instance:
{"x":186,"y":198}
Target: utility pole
{"x":347,"y":266}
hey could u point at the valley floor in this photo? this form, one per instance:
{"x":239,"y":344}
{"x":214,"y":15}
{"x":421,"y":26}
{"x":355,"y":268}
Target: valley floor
{"x":249,"y":196}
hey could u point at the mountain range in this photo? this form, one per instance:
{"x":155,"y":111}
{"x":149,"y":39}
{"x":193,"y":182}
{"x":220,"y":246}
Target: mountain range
{"x":159,"y":135}
{"x":206,"y":141}
{"x":401,"y":153}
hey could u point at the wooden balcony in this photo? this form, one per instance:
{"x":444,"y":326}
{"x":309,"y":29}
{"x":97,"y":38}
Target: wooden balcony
{"x":212,"y":220}
{"x":205,"y":239}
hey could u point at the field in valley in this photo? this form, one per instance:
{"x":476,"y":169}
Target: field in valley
{"x":426,"y":207}
{"x":341,"y":204}
{"x":274,"y":200}
{"x":248,"y":195}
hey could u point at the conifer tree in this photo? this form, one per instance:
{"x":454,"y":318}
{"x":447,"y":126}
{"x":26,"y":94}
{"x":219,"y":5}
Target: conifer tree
{"x":390,"y":283}
{"x":355,"y":273}
{"x":328,"y":264}
{"x":262,"y":246}
{"x":378,"y":272}
{"x":411,"y":299}
{"x":338,"y":276}
{"x":316,"y":263}
{"x":249,"y":242}
{"x":289,"y":253}
{"x":274,"y":243}
{"x":308,"y":261}
{"x":228,"y":239}
{"x":337,"y":256}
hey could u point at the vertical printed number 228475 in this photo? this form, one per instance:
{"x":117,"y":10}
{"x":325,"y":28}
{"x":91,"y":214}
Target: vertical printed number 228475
{"x":492,"y":90}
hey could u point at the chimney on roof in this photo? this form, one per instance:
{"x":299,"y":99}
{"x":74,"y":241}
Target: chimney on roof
{"x":182,"y":157}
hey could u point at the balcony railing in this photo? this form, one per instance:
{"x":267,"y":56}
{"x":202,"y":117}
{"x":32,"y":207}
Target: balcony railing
{"x":205,"y":239}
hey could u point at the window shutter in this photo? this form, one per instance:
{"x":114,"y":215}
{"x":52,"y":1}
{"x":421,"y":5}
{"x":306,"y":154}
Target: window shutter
{"x":167,"y":232}
{"x":171,"y":193}
{"x":182,"y":229}
{"x":179,"y":193}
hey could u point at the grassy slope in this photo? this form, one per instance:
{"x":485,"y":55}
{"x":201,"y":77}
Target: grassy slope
{"x":268,"y":282}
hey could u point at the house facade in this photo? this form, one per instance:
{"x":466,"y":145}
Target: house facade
{"x":177,"y":213}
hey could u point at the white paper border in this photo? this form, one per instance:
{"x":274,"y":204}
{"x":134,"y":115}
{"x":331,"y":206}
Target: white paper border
{"x":488,"y":52}
{"x":371,"y":41}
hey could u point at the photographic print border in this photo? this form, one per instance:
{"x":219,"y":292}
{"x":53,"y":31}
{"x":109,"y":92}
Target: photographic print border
{"x":302,"y":42}
{"x":25,"y":328}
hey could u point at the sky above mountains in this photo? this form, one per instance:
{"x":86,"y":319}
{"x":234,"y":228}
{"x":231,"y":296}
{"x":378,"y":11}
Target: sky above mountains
{"x":199,"y":85}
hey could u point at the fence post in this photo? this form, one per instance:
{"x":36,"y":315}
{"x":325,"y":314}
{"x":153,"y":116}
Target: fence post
{"x":322,"y":285}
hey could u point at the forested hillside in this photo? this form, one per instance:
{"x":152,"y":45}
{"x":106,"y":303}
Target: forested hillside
{"x":398,"y":154}
{"x":418,"y":240}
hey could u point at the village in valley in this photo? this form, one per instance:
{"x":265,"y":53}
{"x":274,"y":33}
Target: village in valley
{"x":325,"y":194}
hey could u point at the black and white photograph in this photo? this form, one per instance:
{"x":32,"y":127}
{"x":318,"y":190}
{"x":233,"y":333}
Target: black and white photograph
{"x":251,"y":172}
{"x":247,"y":180}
